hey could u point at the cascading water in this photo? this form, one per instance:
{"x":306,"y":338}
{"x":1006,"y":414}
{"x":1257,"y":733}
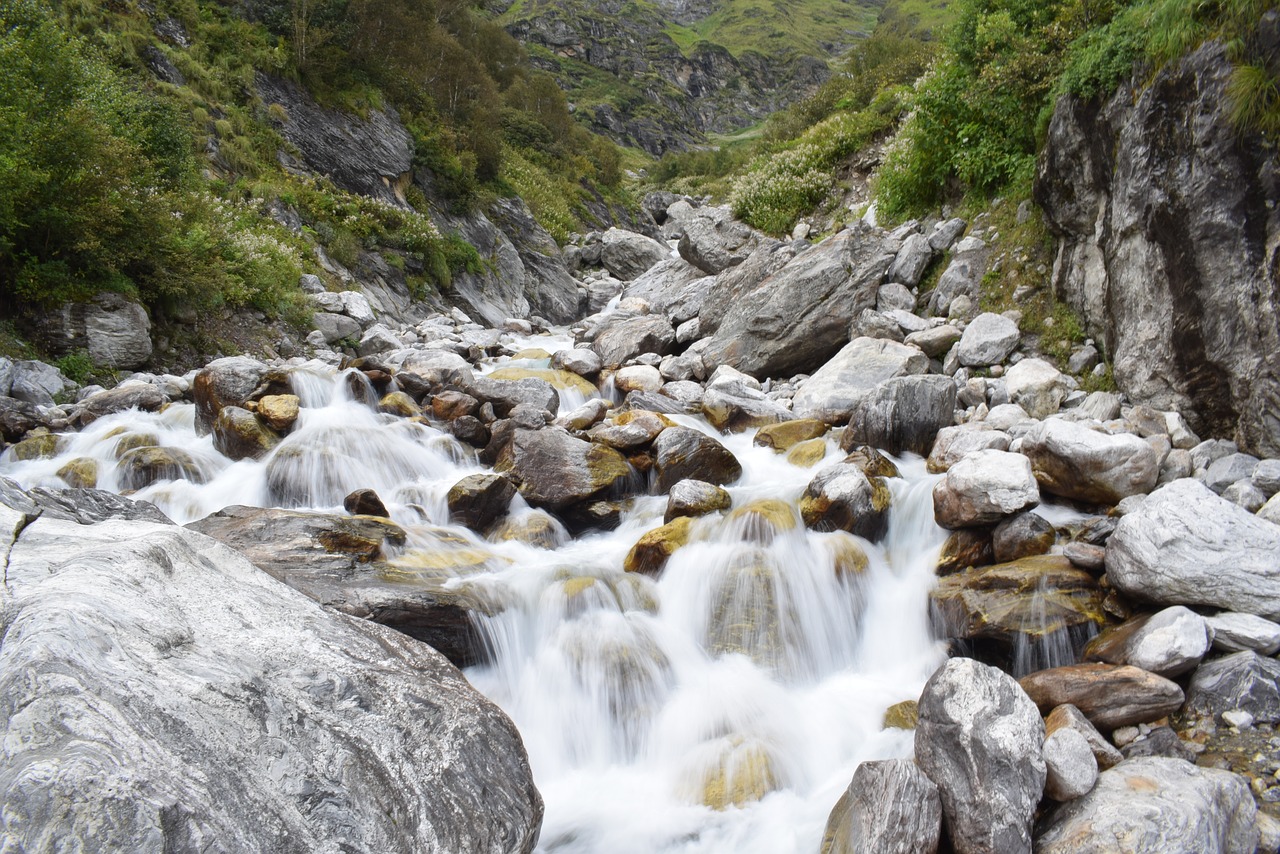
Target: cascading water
{"x":721,"y":706}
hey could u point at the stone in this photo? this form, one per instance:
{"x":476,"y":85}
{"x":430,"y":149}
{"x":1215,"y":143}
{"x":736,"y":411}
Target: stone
{"x":365,"y":502}
{"x":874,"y":324}
{"x":890,"y":807}
{"x":631,"y":429}
{"x":935,"y":341}
{"x":583,"y":362}
{"x":960,"y":280}
{"x":637,"y":378}
{"x":904,"y":715}
{"x":280,"y":411}
{"x":626,"y":254}
{"x":1270,"y":511}
{"x":786,"y":435}
{"x":963,"y":549}
{"x":479,"y":500}
{"x":588,"y":414}
{"x":1071,"y":769}
{"x":1160,"y":741}
{"x":1086,"y":556}
{"x":17,"y":417}
{"x":623,"y":341}
{"x":652,"y":551}
{"x":1155,"y":805}
{"x":356,"y":306}
{"x":1037,"y":387}
{"x":1242,"y":680}
{"x":1185,"y":545}
{"x":141,"y":467}
{"x":734,"y":407}
{"x":1244,"y":494}
{"x":1234,"y":632}
{"x":1068,"y":716}
{"x":842,"y":498}
{"x":224,"y":382}
{"x":946,"y":233}
{"x":979,"y":740}
{"x":1024,"y":535}
{"x":80,"y":473}
{"x":713,"y":240}
{"x":954,"y":443}
{"x":681,"y":453}
{"x":984,"y":488}
{"x":36,"y":383}
{"x":835,"y":389}
{"x":1109,"y":695}
{"x":902,"y":414}
{"x":507,"y":394}
{"x":42,"y":447}
{"x":167,"y":740}
{"x":895,"y":295}
{"x":378,"y":339}
{"x":555,"y":470}
{"x":335,"y":327}
{"x":1076,"y":462}
{"x":1266,"y":477}
{"x":910,"y":262}
{"x":695,"y":498}
{"x":1168,"y":643}
{"x":133,"y":395}
{"x":988,"y":340}
{"x":559,"y":380}
{"x":536,"y":528}
{"x":239,"y":434}
{"x":1227,"y":470}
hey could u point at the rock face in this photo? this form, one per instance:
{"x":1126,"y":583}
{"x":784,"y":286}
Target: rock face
{"x":979,"y":740}
{"x":1185,"y":545}
{"x":1075,"y":462}
{"x":797,"y":318}
{"x":890,"y":807}
{"x":1168,"y":238}
{"x":161,"y":692}
{"x":1154,"y":805}
{"x":114,"y":331}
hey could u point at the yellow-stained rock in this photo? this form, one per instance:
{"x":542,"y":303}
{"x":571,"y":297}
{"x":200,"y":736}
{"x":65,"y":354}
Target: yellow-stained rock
{"x":280,"y":411}
{"x":399,"y":403}
{"x":785,"y":435}
{"x":872,"y":462}
{"x":762,"y":520}
{"x":849,"y":558}
{"x":42,"y":447}
{"x":807,"y":454}
{"x":532,"y":354}
{"x":744,"y":773}
{"x":964,"y":548}
{"x":564,"y":380}
{"x":651,"y":553}
{"x":132,"y":441}
{"x":538,"y":529}
{"x":80,"y":473}
{"x":904,"y":715}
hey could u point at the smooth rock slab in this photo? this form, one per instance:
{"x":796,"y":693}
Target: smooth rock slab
{"x":160,"y":692}
{"x":1155,"y":805}
{"x":979,"y":740}
{"x":1070,"y":765}
{"x":890,"y":807}
{"x":1234,"y":632}
{"x":834,"y":390}
{"x":987,"y":340}
{"x":1184,"y":545}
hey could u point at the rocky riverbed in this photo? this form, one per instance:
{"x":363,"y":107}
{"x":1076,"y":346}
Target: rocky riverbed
{"x":721,"y":544}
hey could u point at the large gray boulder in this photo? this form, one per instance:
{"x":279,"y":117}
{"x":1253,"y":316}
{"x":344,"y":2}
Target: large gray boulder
{"x":1074,"y":461}
{"x":1167,"y":218}
{"x":890,"y":807}
{"x":1155,"y":805}
{"x":910,"y":262}
{"x":1185,"y":545}
{"x":161,"y":693}
{"x":834,"y":390}
{"x":554,"y":470}
{"x":902,"y":414}
{"x":673,"y":288}
{"x":627,"y":254}
{"x":36,"y":383}
{"x":713,"y":241}
{"x":797,"y":318}
{"x":987,"y":340}
{"x":681,"y":453}
{"x":1245,"y":681}
{"x":979,"y":740}
{"x":983,"y":488}
{"x":624,"y":340}
{"x":113,"y":330}
{"x":956,"y":442}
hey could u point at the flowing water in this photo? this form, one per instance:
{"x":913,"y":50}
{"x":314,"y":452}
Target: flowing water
{"x":722,"y":706}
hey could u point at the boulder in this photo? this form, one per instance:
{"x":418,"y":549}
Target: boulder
{"x":1070,"y":767}
{"x":85,"y":506}
{"x":132,"y":395}
{"x":168,"y":659}
{"x":113,"y":330}
{"x":224,"y":382}
{"x":835,"y":389}
{"x":1024,"y":535}
{"x":954,"y":443}
{"x":620,"y":342}
{"x":902,"y":414}
{"x":1037,"y":387}
{"x":1069,"y":717}
{"x":1076,"y":462}
{"x":935,"y":341}
{"x":681,"y":453}
{"x":141,"y":467}
{"x":798,"y":317}
{"x":36,"y":383}
{"x":280,"y":411}
{"x":979,"y":740}
{"x":506,"y":395}
{"x":239,"y":434}
{"x":988,"y":340}
{"x":1235,"y":632}
{"x":583,"y":362}
{"x":654,"y":548}
{"x":1225,"y":471}
{"x":713,"y":240}
{"x":555,"y":470}
{"x":1156,"y":805}
{"x":17,"y":417}
{"x":630,"y":429}
{"x":983,"y":488}
{"x":890,"y":807}
{"x":365,"y":502}
{"x":695,"y":498}
{"x":786,"y":435}
{"x":842,"y":498}
{"x":1244,"y":680}
{"x":478,"y":500}
{"x":910,"y":262}
{"x":1168,"y":643}
{"x":1184,"y":545}
{"x":335,"y":327}
{"x":1109,"y":695}
{"x":626,"y":254}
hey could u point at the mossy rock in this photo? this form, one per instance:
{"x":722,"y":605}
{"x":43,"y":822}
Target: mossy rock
{"x":563,"y":380}
{"x":849,"y":558}
{"x":761,"y":521}
{"x":872,"y":462}
{"x":532,"y":354}
{"x":132,"y":441}
{"x":786,"y":435}
{"x":965,"y":548}
{"x":807,"y":454}
{"x":745,"y":616}
{"x":904,"y":715}
{"x":538,"y":529}
{"x":651,"y":553}
{"x":399,"y":403}
{"x":80,"y":473}
{"x":240,"y":434}
{"x":144,"y":466}
{"x":744,"y":773}
{"x":42,"y":447}
{"x":280,"y":411}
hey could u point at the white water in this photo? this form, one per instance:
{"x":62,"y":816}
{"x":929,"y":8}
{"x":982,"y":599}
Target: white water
{"x":752,"y":663}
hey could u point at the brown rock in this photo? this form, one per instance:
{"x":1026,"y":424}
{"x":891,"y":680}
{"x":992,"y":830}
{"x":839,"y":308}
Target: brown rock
{"x":807,"y":454}
{"x":651,"y":553}
{"x":365,"y":502}
{"x":787,"y":434}
{"x":448,"y":405}
{"x":238,"y":434}
{"x":280,"y":411}
{"x":142,"y":467}
{"x":681,"y":453}
{"x":480,"y":499}
{"x":399,"y":403}
{"x":902,"y":715}
{"x":1024,"y":535}
{"x":1109,"y":695}
{"x":1069,"y":717}
{"x":965,"y":548}
{"x":872,"y":462}
{"x":80,"y":473}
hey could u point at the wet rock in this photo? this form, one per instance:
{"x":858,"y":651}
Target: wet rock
{"x":835,"y":389}
{"x":555,"y":470}
{"x":80,"y":473}
{"x":150,"y":760}
{"x":142,"y":467}
{"x":979,"y":740}
{"x":695,"y":498}
{"x":808,"y":454}
{"x":1076,"y":462}
{"x":449,"y":404}
{"x":902,"y":414}
{"x":42,"y":447}
{"x":479,"y":499}
{"x":682,"y":453}
{"x":630,"y":429}
{"x":399,"y":404}
{"x":1234,"y":632}
{"x":585,"y":416}
{"x":133,"y":395}
{"x":1156,"y":806}
{"x":1037,"y":387}
{"x":842,"y":498}
{"x":365,"y":502}
{"x":1024,"y":535}
{"x":1243,"y":680}
{"x":652,"y":551}
{"x":584,"y":363}
{"x":1070,"y":767}
{"x":280,"y":411}
{"x":1160,"y":741}
{"x":733,"y":407}
{"x":935,"y":341}
{"x":786,"y":435}
{"x":471,"y":430}
{"x":223,"y":382}
{"x":626,"y":254}
{"x":16,"y":418}
{"x":536,"y":528}
{"x":1168,"y":643}
{"x":741,"y":772}
{"x":890,"y":807}
{"x":1185,"y":545}
{"x":506,"y":395}
{"x":559,"y":380}
{"x":1069,"y":717}
{"x":983,"y":488}
{"x":1109,"y":695}
{"x":238,"y":434}
{"x":638,"y":378}
{"x":620,"y":342}
{"x":964,"y":548}
{"x":988,"y":340}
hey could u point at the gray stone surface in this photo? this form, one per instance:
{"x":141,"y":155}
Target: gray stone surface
{"x":1037,"y":387}
{"x":910,"y":262}
{"x":1243,"y":680}
{"x":36,"y":383}
{"x":902,"y":414}
{"x":979,"y":740}
{"x":163,"y":693}
{"x":713,"y":241}
{"x":983,"y":488}
{"x":1070,"y":767}
{"x":1170,"y":643}
{"x":1074,"y":461}
{"x":1155,"y":806}
{"x":1235,"y":632}
{"x":555,"y":470}
{"x":627,"y":255}
{"x":1227,"y":470}
{"x":681,"y":453}
{"x":224,"y":382}
{"x":988,"y":340}
{"x":626,"y":339}
{"x":841,"y":497}
{"x":890,"y":807}
{"x":956,"y":442}
{"x":1185,"y":545}
{"x":833,"y":391}
{"x":113,"y":330}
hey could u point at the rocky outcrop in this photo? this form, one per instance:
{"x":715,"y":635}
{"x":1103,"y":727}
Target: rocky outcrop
{"x":160,"y":692}
{"x":114,"y":331}
{"x":1170,"y":242}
